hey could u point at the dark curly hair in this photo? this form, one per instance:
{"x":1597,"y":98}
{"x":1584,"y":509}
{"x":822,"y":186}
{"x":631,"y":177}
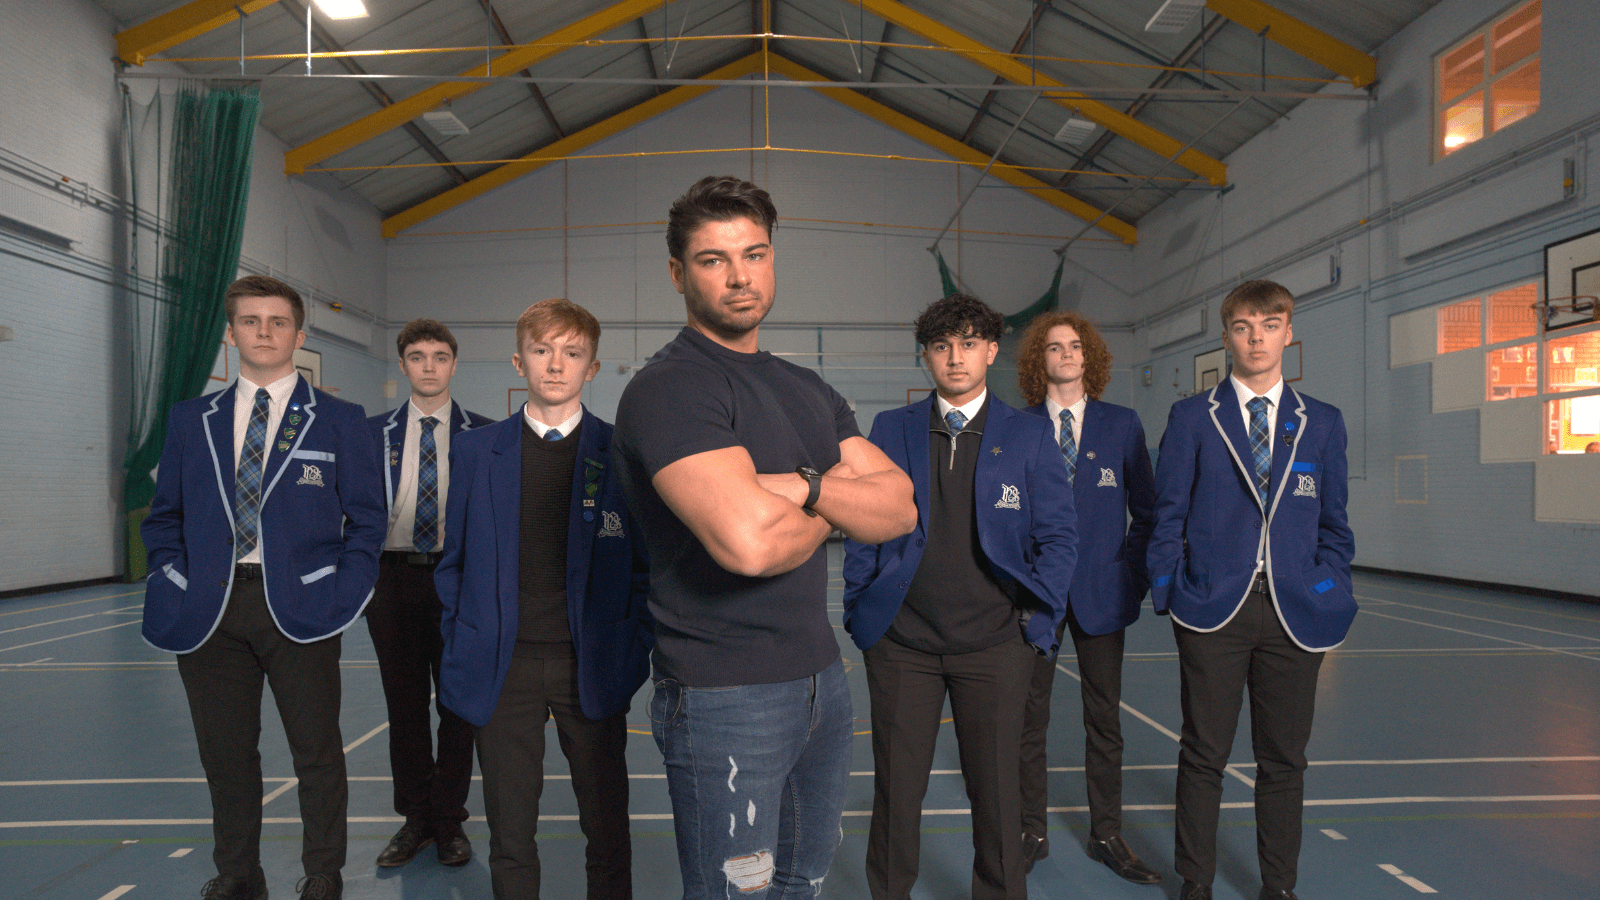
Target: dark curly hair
{"x":717,"y":198}
{"x":1031,"y":379}
{"x":958,"y":315}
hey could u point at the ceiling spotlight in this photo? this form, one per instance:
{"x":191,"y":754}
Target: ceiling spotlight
{"x":1076,"y":131}
{"x":1174,"y":16}
{"x":342,"y":9}
{"x":445,"y":122}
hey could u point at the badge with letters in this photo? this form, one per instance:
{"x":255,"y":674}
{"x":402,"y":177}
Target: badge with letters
{"x":1010,"y":497}
{"x":610,"y":524}
{"x":1307,"y":488}
{"x":311,"y":475}
{"x":1108,"y":478}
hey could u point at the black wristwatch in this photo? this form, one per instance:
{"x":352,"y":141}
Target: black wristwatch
{"x":815,"y":477}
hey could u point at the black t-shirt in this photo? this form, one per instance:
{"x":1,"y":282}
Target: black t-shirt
{"x":715,"y":628}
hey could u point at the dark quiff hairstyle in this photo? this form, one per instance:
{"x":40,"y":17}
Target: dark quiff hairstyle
{"x":1259,"y":297}
{"x":958,"y":315}
{"x":424,"y":330}
{"x":263,"y":286}
{"x":717,"y":198}
{"x":1031,"y":378}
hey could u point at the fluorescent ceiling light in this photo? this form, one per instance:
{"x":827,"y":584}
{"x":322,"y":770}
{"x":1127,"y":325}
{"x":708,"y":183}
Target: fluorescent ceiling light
{"x":1174,"y":16}
{"x":342,"y":9}
{"x":1075,"y":131}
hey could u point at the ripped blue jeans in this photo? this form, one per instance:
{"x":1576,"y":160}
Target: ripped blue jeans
{"x":757,"y":777}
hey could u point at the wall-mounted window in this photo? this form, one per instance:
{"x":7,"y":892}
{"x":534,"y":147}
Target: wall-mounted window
{"x":1461,"y":325}
{"x":1488,"y":80}
{"x":1573,"y":425}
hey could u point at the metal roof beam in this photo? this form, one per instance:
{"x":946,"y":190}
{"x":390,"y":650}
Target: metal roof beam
{"x":512,"y":61}
{"x":988,"y":99}
{"x":1154,"y":140}
{"x":377,"y":93}
{"x":538,"y":95}
{"x":949,"y":146}
{"x":170,"y":29}
{"x":395,"y":224}
{"x":1312,"y":43}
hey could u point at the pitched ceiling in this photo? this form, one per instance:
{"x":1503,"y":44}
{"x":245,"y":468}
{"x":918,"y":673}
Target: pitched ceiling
{"x":1204,"y":90}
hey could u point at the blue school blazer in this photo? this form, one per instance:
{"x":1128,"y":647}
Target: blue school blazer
{"x":1114,"y":492}
{"x":608,"y":574}
{"x":1026,"y":522}
{"x":322,"y":520}
{"x":389,"y":433}
{"x":1211,"y":524}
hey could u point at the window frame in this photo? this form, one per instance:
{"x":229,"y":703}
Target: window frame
{"x":1487,"y":82}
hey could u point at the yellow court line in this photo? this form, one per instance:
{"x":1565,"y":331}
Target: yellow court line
{"x":18,"y":612}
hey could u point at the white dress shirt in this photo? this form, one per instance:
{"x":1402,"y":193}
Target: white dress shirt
{"x":539,"y":428}
{"x":1054,"y":409}
{"x":403,"y":513}
{"x":244,"y":404}
{"x":969,"y":409}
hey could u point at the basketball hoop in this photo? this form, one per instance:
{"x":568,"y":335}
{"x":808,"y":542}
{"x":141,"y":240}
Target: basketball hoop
{"x":1564,"y":312}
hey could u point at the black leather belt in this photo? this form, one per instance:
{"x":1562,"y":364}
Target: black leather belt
{"x":414,"y":559}
{"x":246,"y":571}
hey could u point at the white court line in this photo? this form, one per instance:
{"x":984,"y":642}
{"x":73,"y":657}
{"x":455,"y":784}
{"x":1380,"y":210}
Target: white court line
{"x":1334,"y":834}
{"x":366,"y":737}
{"x":279,"y":791}
{"x":1445,"y":612}
{"x":180,"y":853}
{"x":75,"y":634}
{"x":1148,"y":807}
{"x":1407,"y":879}
{"x":118,"y":892}
{"x":73,"y":618}
{"x":1487,"y":637}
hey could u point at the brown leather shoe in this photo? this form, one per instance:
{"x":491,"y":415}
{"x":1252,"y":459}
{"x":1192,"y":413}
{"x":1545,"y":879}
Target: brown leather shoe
{"x":1117,"y":856}
{"x":454,"y":848}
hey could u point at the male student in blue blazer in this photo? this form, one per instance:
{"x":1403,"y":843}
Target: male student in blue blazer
{"x":544,"y":582}
{"x":1062,"y":368}
{"x":413,"y":443}
{"x":263,"y":542}
{"x":962,"y":605}
{"x":1250,"y":555}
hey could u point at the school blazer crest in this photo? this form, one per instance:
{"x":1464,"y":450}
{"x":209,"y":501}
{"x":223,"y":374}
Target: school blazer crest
{"x":1210,"y":522}
{"x":322,"y":520}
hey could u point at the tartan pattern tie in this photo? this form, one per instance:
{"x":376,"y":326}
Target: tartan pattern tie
{"x":425,"y":531}
{"x":247,"y":478}
{"x":1260,"y":445}
{"x":1069,"y":445}
{"x":553,"y":434}
{"x":955,"y":420}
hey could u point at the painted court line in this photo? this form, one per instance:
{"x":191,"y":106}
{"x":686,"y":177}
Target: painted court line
{"x":366,"y":737}
{"x":65,"y":636}
{"x":1407,"y":879}
{"x":180,"y":853}
{"x":279,"y":791}
{"x":1487,"y":637}
{"x":118,"y":892}
{"x":18,"y":612}
{"x":1446,"y":612}
{"x":1542,"y":612}
{"x":1334,"y":834}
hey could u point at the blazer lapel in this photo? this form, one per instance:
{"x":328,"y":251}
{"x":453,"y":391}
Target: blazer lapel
{"x":1230,"y":424}
{"x":505,"y":494}
{"x":1091,"y":441}
{"x":394,"y":448}
{"x":997,"y":427}
{"x":297,"y":419}
{"x":1286,"y":440}
{"x":458,"y":419}
{"x":218,"y":423}
{"x":917,"y":454}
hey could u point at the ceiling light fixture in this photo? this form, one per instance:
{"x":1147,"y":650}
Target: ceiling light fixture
{"x":1075,"y":131}
{"x":445,"y":122}
{"x":1174,"y":16}
{"x":342,"y":9}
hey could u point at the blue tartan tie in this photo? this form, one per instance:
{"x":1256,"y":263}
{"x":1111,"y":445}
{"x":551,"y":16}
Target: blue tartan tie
{"x":1069,"y":445}
{"x":247,"y":479}
{"x":955,"y":420}
{"x":554,"y":434}
{"x":425,"y":531}
{"x":1260,"y":445}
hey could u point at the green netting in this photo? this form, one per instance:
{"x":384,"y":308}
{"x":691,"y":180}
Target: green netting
{"x":1017,"y":320}
{"x":197,"y":240}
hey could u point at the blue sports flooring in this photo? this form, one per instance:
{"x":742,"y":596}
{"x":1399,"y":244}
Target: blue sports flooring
{"x":1456,"y":752}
